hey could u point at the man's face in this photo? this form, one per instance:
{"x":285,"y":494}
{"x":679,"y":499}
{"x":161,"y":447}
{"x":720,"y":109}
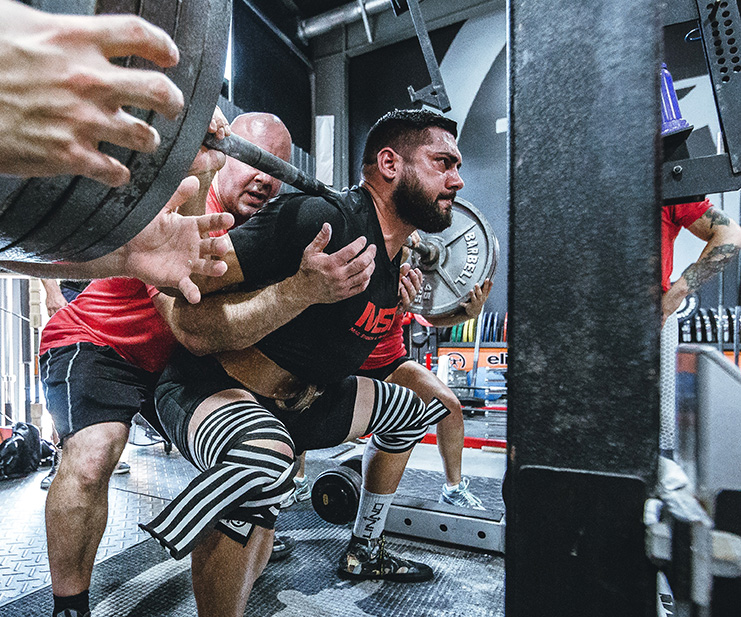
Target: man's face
{"x":429,"y":182}
{"x":243,"y":190}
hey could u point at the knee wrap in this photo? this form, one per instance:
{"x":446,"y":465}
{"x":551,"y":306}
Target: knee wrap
{"x":239,"y":482}
{"x":400,"y":419}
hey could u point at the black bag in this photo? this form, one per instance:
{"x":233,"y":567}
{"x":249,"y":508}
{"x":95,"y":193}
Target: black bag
{"x":20,"y":454}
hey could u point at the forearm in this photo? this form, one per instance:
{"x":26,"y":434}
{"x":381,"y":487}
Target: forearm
{"x":109,"y":265}
{"x":237,"y":320}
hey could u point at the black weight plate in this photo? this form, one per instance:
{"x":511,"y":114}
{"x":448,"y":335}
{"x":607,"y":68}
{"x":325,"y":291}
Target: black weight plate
{"x":335,"y":495}
{"x":495,"y":327}
{"x":729,"y":326}
{"x":44,"y":203}
{"x":355,"y":463}
{"x":124,"y":212}
{"x":86,"y":197}
{"x":146,"y":169}
{"x":485,"y":328}
{"x":197,"y":117}
{"x":685,"y":332}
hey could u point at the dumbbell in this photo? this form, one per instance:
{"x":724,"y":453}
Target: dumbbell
{"x":335,"y":494}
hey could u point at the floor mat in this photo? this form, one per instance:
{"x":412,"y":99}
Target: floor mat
{"x":143,"y":582}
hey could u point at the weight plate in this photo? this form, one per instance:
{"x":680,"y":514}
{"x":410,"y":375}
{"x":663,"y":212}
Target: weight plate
{"x":461,"y":257}
{"x":495,"y":327}
{"x":504,"y":328}
{"x":355,"y":463}
{"x":485,"y":330}
{"x":84,"y":219}
{"x":714,"y":321}
{"x":335,"y":495}
{"x":729,"y":326}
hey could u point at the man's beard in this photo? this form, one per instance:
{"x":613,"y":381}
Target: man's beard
{"x":416,"y":208}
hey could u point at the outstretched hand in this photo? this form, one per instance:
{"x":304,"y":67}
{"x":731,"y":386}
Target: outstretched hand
{"x":325,"y":279}
{"x":172,"y":247}
{"x":61,"y":96}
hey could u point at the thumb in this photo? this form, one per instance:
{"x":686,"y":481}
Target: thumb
{"x":320,"y":242}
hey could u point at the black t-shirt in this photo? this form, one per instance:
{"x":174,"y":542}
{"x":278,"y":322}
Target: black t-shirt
{"x":327,"y":341}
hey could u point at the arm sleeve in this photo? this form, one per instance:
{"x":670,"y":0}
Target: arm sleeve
{"x":270,"y":245}
{"x":686,"y":214}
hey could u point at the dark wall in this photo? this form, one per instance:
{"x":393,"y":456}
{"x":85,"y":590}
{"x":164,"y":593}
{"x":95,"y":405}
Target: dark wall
{"x":378,"y":83}
{"x":268,"y":76}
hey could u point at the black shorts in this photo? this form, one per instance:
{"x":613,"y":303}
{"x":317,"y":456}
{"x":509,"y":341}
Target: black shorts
{"x":383,"y":372}
{"x":189,"y":380}
{"x":87,"y":384}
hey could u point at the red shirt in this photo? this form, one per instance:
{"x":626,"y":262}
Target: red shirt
{"x":119,"y":313}
{"x":389,"y":348}
{"x":673,"y":218}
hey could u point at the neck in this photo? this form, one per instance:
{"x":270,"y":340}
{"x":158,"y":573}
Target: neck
{"x":395,"y":231}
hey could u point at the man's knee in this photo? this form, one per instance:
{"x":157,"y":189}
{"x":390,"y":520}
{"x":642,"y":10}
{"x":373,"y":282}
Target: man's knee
{"x":91,"y":455}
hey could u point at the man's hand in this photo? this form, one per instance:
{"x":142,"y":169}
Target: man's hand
{"x":410,"y":282}
{"x":207,"y":161}
{"x":325,"y":279}
{"x":476,"y":299}
{"x":172,"y":247}
{"x":55,"y":300}
{"x":60,"y":96}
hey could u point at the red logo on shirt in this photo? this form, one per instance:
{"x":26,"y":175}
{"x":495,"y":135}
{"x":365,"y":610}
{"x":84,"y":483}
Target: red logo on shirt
{"x":374,"y":322}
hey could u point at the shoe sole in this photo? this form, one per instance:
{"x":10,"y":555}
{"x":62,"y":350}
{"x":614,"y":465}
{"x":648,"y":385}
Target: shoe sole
{"x":394,"y":578}
{"x":280,"y":555}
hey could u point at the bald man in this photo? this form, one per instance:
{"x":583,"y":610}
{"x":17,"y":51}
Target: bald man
{"x":101,"y":356}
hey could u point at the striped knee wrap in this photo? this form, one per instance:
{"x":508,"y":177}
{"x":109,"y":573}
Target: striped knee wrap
{"x":241,"y":483}
{"x":400,"y":419}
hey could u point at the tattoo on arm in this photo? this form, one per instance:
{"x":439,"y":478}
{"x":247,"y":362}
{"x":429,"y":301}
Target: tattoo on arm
{"x":706,"y":268}
{"x":717,"y":218}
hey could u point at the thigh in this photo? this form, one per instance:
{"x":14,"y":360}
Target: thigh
{"x":87,"y":384}
{"x":189,"y":384}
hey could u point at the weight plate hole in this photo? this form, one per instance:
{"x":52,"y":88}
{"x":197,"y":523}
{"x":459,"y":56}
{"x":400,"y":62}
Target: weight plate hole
{"x":443,"y":528}
{"x":408,"y":522}
{"x":725,"y":79}
{"x":482,"y":534}
{"x":721,"y":60}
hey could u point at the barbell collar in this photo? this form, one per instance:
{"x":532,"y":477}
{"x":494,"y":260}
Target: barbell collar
{"x":246,"y":152}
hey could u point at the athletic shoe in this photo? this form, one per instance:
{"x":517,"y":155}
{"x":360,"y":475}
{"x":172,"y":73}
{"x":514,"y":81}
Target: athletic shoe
{"x":461,"y":496}
{"x":368,"y":559}
{"x":46,"y":480}
{"x":282,"y":547}
{"x":301,"y":492}
{"x":70,"y":612}
{"x":122,"y":468}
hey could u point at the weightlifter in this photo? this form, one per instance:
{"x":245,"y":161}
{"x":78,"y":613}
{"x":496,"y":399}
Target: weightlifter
{"x":101,"y":357}
{"x":243,"y":414}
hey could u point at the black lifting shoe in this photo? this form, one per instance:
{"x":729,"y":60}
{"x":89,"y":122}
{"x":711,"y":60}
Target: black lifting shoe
{"x":368,"y":559}
{"x":70,"y":612}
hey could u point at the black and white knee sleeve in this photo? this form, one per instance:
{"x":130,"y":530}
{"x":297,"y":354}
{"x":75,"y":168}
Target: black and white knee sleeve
{"x":239,"y":482}
{"x":400,"y":419}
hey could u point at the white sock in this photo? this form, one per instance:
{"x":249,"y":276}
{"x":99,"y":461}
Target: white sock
{"x":372,"y":512}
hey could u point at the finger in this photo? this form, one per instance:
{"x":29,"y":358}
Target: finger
{"x":405,"y":269}
{"x":361,"y":262}
{"x":186,"y":189}
{"x":129,"y":132}
{"x":146,"y":90}
{"x":321,"y":240}
{"x":214,"y":222}
{"x":363,"y":275}
{"x":189,"y":290}
{"x":128,"y":35}
{"x":209,"y":267}
{"x":349,"y":252}
{"x":213,"y":247}
{"x":93,"y":164}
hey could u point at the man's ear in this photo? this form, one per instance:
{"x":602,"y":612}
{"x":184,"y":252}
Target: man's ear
{"x":389,"y":163}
